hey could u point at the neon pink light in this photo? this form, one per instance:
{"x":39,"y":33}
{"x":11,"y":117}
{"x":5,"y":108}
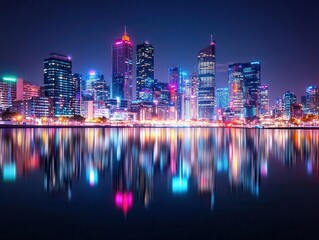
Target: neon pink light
{"x":124,"y":200}
{"x":118,"y":43}
{"x":92,"y":73}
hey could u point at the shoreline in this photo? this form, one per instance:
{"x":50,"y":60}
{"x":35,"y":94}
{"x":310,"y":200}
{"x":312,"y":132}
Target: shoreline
{"x":6,"y":126}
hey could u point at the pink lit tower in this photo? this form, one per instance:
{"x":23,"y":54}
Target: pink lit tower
{"x":122,"y":56}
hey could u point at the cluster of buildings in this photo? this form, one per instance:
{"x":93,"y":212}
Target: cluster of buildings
{"x":183,"y":97}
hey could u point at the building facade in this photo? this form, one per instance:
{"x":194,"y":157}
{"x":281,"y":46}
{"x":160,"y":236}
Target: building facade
{"x":206,"y":82}
{"x":122,"y":61}
{"x":58,"y":84}
{"x":289,"y":99}
{"x":145,"y":71}
{"x":8,"y":92}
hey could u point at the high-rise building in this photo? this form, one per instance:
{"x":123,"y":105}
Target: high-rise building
{"x":236,"y":89}
{"x":77,"y":80}
{"x":161,"y":93}
{"x":58,"y":84}
{"x":175,"y":78}
{"x":145,"y":72}
{"x":189,"y":103}
{"x":206,"y":80}
{"x":94,"y":87}
{"x":244,"y":89}
{"x":264,"y":100}
{"x":289,"y":99}
{"x":7,"y":92}
{"x":252,"y":84}
{"x":122,"y":55}
{"x":312,"y":99}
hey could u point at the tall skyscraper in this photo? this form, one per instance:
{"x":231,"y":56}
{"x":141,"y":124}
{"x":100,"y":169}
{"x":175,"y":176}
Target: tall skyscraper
{"x":58,"y":84}
{"x":312,"y":99}
{"x":122,"y":86}
{"x":289,"y":99}
{"x":244,"y":88}
{"x":175,"y":78}
{"x":77,"y":80}
{"x":206,"y":79}
{"x":236,"y":89}
{"x":264,"y":100}
{"x":252,"y":83}
{"x":145,"y":71}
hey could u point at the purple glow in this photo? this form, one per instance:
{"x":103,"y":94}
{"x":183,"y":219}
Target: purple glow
{"x":118,"y":43}
{"x":92,"y":73}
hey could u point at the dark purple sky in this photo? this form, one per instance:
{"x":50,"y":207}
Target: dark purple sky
{"x":282,"y":34}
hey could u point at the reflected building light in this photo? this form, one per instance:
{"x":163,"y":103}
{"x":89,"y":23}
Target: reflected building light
{"x":92,"y":176}
{"x":124,"y":201}
{"x":9,"y":172}
{"x":264,"y":168}
{"x":179,"y":184}
{"x":309,"y":167}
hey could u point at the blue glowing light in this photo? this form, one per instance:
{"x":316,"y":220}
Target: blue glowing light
{"x":92,"y":176}
{"x":179,"y":185}
{"x":9,"y":172}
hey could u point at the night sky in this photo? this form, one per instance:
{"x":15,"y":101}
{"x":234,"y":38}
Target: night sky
{"x":282,"y":34}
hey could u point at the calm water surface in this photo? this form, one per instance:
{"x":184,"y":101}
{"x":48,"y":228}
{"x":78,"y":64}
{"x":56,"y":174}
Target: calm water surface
{"x":159,"y":183}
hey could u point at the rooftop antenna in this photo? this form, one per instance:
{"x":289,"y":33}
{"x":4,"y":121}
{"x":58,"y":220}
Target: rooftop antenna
{"x":211,"y":39}
{"x":125,"y":30}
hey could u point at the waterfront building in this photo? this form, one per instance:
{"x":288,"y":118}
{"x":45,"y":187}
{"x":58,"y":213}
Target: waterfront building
{"x":252,"y":82}
{"x":244,"y":89}
{"x":122,"y":55}
{"x":34,"y":107}
{"x":77,"y":80}
{"x":289,"y":98}
{"x":236,"y":90}
{"x":264,"y":100}
{"x":161,"y":93}
{"x":58,"y":84}
{"x":206,"y":81}
{"x":312,"y":99}
{"x":145,"y":71}
{"x":26,"y":90}
{"x":7,"y":91}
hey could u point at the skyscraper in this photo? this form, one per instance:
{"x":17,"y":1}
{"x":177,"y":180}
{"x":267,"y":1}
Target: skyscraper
{"x":244,"y":88}
{"x":252,"y":83}
{"x":77,"y":80}
{"x":264,"y":100}
{"x":145,"y":71}
{"x":206,"y":79}
{"x":236,"y":89}
{"x":289,"y":99}
{"x":122,"y":68}
{"x":94,"y":87}
{"x":312,"y":99}
{"x":58,"y":84}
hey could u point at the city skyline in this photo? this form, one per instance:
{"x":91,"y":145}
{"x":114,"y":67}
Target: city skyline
{"x":285,"y":45}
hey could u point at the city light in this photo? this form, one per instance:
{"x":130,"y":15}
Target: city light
{"x":10,"y":79}
{"x":9,"y":172}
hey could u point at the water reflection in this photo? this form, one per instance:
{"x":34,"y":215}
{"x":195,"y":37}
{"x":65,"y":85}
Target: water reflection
{"x":131,"y":157}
